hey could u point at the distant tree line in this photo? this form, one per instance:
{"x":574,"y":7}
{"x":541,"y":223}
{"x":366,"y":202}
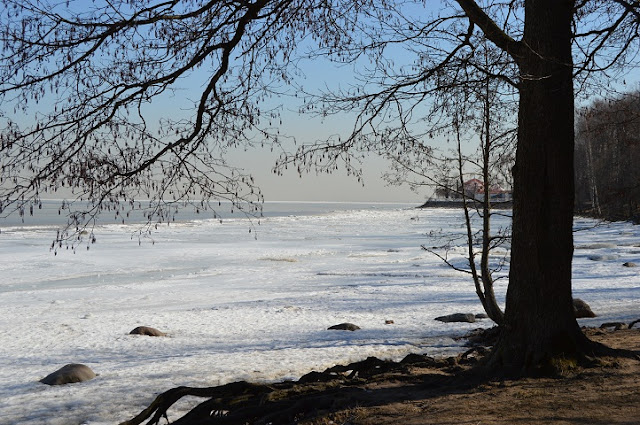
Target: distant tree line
{"x":607,"y":158}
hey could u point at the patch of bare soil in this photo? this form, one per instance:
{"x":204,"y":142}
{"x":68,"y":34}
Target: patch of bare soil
{"x":423,"y":390}
{"x":605,"y":394}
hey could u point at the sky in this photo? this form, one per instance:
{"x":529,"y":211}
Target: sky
{"x":325,"y":187}
{"x":311,"y":187}
{"x":316,"y":76}
{"x":306,"y":129}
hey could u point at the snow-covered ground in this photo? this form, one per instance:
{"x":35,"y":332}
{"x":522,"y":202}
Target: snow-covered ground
{"x":240,"y":308}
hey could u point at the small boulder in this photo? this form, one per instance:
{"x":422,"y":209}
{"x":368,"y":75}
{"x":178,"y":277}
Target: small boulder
{"x":630,"y":264}
{"x":413,"y":358}
{"x":603,"y":257}
{"x":457,"y":317}
{"x":389,"y":322}
{"x":482,"y":316}
{"x":146,"y":330}
{"x":581,"y":309}
{"x":69,"y":374}
{"x":344,"y":327}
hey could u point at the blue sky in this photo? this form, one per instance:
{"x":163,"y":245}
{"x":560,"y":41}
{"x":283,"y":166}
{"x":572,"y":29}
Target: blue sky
{"x":306,"y":129}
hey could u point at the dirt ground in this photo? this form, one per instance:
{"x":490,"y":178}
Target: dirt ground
{"x":423,"y":390}
{"x":605,"y":394}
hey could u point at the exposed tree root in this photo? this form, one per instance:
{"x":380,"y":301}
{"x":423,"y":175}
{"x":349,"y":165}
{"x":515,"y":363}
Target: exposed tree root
{"x":224,"y":394}
{"x":339,"y":387}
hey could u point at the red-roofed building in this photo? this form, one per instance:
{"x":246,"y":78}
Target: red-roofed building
{"x":474,"y":189}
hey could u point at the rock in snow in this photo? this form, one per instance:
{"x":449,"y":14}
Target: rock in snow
{"x":457,"y":317}
{"x":344,"y":327}
{"x":582,"y":309}
{"x":603,"y":257}
{"x":146,"y":330}
{"x":69,"y":374}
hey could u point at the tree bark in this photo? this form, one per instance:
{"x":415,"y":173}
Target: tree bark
{"x":539,"y":325}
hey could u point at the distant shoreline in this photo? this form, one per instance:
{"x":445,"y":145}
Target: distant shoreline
{"x":437,"y":203}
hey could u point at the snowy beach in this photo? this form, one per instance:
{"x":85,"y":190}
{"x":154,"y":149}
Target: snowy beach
{"x":240,"y":307}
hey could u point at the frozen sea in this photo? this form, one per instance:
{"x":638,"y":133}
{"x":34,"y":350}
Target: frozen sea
{"x":241,"y":305}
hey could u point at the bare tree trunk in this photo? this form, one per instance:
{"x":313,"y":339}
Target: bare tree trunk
{"x":539,"y":325}
{"x":593,"y":185}
{"x":467,"y":219}
{"x":490,"y":305}
{"x":482,"y":275}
